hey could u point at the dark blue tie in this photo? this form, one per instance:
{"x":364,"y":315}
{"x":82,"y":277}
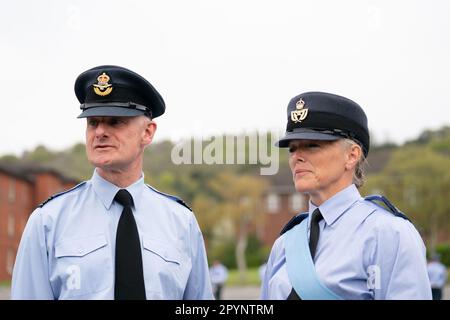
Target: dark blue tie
{"x":129,"y":280}
{"x":314,"y":232}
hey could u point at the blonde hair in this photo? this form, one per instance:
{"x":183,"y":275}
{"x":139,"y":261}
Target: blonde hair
{"x":359,"y":175}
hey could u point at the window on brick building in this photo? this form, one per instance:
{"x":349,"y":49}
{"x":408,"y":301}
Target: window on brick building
{"x":9,"y":260}
{"x":273,"y":203}
{"x":11,"y":224}
{"x":21,"y":222}
{"x":12,"y":190}
{"x":297,"y":201}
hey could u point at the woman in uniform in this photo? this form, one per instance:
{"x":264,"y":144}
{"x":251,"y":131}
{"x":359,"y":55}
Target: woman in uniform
{"x":345,"y":246}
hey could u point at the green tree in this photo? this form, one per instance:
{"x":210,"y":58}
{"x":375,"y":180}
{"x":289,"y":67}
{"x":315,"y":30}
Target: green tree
{"x":241,"y":204}
{"x":208,"y":213}
{"x":40,"y":154}
{"x":417,"y":180}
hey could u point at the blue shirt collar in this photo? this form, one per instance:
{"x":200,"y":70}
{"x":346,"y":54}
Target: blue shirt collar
{"x":106,"y":190}
{"x":337,"y":205}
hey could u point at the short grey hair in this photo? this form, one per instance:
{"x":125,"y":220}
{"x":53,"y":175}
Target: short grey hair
{"x":359,"y":176}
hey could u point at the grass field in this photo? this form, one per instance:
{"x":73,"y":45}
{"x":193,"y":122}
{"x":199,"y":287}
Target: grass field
{"x":252,"y":278}
{"x":6,"y":283}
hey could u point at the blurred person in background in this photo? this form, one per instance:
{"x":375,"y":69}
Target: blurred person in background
{"x":438,"y":276}
{"x":219,"y":275}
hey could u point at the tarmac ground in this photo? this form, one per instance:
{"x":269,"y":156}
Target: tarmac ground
{"x":229,"y":293}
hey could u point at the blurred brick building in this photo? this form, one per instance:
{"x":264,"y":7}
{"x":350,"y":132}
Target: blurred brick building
{"x":281,"y":203}
{"x":22,"y":189}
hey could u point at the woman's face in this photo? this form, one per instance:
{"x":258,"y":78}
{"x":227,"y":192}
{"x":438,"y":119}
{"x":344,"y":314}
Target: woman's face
{"x":321,"y":168}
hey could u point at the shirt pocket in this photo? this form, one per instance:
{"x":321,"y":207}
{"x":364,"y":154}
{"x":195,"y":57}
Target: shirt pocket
{"x":166,"y":269}
{"x":83,"y":265}
{"x":167,"y":253}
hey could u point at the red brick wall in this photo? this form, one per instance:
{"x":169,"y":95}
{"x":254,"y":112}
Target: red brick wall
{"x":16,"y":203}
{"x":3,"y":211}
{"x":47,"y":184}
{"x":18,"y":198}
{"x":68,"y":185}
{"x":275,"y":221}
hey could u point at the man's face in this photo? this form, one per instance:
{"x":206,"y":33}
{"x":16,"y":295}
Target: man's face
{"x":116,"y":143}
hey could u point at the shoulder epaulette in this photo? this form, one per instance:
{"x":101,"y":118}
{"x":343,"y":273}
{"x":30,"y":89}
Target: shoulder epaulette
{"x":56,"y":195}
{"x":171,"y":197}
{"x":293,"y":222}
{"x":393,"y":209}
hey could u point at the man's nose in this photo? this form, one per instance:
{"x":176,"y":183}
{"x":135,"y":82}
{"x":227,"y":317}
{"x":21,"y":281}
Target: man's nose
{"x":101,"y":130}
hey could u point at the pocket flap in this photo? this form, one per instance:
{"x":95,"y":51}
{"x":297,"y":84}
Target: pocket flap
{"x":78,"y":247}
{"x":168,"y":253}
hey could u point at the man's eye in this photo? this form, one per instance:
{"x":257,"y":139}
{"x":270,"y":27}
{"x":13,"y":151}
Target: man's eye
{"x":292,"y":149}
{"x":117,"y":121}
{"x":92,"y":123}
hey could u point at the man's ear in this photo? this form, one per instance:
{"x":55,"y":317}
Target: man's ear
{"x":149,"y":132}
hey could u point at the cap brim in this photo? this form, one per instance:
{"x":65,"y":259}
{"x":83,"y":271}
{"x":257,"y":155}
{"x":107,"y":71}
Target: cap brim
{"x":304,"y":134}
{"x":109,"y":111}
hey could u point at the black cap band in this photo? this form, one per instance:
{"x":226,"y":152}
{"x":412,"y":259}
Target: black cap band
{"x":130,"y":105}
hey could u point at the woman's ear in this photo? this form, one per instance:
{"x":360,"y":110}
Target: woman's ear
{"x":354,"y":153}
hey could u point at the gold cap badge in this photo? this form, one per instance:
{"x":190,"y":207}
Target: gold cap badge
{"x":300,"y":113}
{"x":103,"y":88}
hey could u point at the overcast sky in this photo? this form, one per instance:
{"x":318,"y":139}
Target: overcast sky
{"x":225,"y":66}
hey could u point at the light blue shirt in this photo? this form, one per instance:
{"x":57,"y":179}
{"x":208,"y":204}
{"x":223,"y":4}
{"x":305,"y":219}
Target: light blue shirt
{"x":364,"y":252}
{"x":218,"y":274}
{"x":438,"y":274}
{"x":68,"y":247}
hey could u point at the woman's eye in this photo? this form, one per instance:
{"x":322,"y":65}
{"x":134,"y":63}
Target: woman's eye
{"x":310,"y":145}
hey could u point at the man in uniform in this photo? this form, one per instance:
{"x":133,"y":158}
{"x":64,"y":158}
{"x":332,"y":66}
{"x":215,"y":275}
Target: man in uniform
{"x":113,"y":236}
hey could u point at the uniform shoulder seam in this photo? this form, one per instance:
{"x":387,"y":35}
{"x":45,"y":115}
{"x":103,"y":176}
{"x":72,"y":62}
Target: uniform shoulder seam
{"x":171,"y":197}
{"x":293,"y":222}
{"x":56,"y":195}
{"x":387,"y":205}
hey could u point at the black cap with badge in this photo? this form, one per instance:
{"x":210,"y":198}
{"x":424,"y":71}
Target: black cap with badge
{"x":325,"y":116}
{"x":116,"y":92}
